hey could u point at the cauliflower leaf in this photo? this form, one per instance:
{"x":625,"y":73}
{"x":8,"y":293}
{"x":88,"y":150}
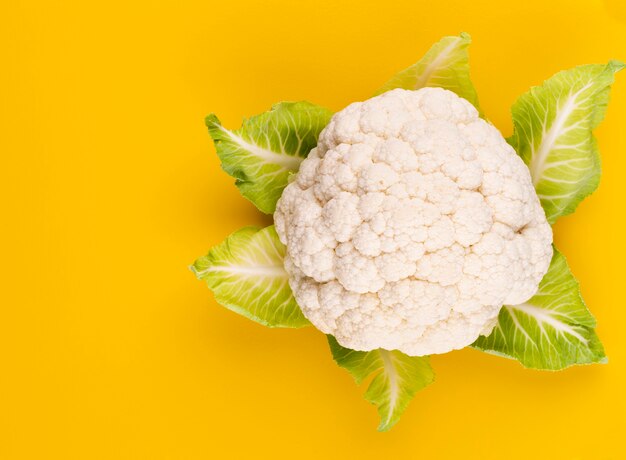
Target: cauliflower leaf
{"x":553,"y":126}
{"x":445,"y":65}
{"x":267,"y":148}
{"x":551,"y":331}
{"x":397,"y":377}
{"x":247,"y":276}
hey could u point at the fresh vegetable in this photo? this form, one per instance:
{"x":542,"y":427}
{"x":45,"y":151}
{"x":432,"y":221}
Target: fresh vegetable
{"x":412,"y":227}
{"x":410,"y":224}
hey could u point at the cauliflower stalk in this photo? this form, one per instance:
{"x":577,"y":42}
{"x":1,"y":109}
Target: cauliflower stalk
{"x":406,"y":225}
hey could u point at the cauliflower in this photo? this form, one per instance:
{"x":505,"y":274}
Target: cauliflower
{"x":410,"y":224}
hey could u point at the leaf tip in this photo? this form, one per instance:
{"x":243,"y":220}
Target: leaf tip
{"x":387,"y":421}
{"x":616,"y":65}
{"x":384,"y":427}
{"x":197,"y":269}
{"x":211,"y":121}
{"x":465,"y":37}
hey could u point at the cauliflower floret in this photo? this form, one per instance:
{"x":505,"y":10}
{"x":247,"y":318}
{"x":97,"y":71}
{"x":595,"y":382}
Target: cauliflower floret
{"x":411,"y":224}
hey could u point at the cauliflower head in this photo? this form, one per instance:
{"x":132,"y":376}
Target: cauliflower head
{"x":410,"y":224}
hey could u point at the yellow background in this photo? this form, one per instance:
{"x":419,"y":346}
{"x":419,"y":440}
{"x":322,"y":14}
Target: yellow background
{"x":110,"y":187}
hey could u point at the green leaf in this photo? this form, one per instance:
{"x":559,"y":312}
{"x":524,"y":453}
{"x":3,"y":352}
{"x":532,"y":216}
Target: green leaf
{"x":397,"y":377}
{"x":268,"y":148}
{"x":551,"y":331}
{"x":445,"y":65}
{"x":553,"y":134}
{"x":247,"y":276}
